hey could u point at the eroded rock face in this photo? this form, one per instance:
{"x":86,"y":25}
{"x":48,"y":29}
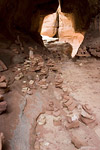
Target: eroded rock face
{"x":91,"y":41}
{"x":23,"y":15}
{"x":82,"y":10}
{"x":49,"y":27}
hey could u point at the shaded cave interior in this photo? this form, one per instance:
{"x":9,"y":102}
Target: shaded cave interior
{"x":20,"y":25}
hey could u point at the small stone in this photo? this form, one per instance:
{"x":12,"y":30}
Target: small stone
{"x":77,"y":142}
{"x":19,"y":69}
{"x":87,"y":121}
{"x":2,"y":66}
{"x":80,"y":64}
{"x":54,"y":68}
{"x":56,"y":113}
{"x":31,"y":55}
{"x":66,"y":97}
{"x":1,"y":97}
{"x":24,"y":82}
{"x":3,"y":106}
{"x":64,"y":88}
{"x":41,"y":120}
{"x":1,"y":140}
{"x":50,"y":63}
{"x":43,"y":84}
{"x":86,"y":115}
{"x":19,"y":76}
{"x":2,"y":78}
{"x":29,"y":91}
{"x":87,"y":109}
{"x":68,"y":103}
{"x":57,"y":121}
{"x":41,"y":64}
{"x":44,"y":71}
{"x":69,"y":119}
{"x":3,"y":84}
{"x":72,"y":106}
{"x":73,"y":124}
{"x":58,"y":81}
{"x":31,"y":82}
{"x":25,"y":89}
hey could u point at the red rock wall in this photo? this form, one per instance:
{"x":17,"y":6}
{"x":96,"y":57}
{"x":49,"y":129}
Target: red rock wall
{"x":92,"y":38}
{"x":49,"y":27}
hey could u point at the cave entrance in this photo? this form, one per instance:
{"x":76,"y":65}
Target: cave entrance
{"x":61,"y":26}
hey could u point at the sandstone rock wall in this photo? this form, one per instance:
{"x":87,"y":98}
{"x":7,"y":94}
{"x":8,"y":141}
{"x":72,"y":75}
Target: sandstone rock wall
{"x":65,"y":30}
{"x":49,"y":27}
{"x":92,"y":38}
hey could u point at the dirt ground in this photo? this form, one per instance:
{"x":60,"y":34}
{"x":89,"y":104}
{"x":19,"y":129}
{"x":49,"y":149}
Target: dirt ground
{"x":53,"y":103}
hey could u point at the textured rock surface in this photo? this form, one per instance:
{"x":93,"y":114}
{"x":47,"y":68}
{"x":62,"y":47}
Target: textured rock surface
{"x":83,"y":11}
{"x":24,"y":16}
{"x":91,"y":41}
{"x":49,"y":27}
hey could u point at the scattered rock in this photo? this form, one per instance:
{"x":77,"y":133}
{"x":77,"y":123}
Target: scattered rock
{"x":41,"y":119}
{"x":31,"y":82}
{"x":3,"y":67}
{"x":56,"y":112}
{"x":57,"y":121}
{"x":1,"y":97}
{"x":2,"y":78}
{"x":58,"y":81}
{"x":66,"y":97}
{"x":27,"y":90}
{"x":19,"y":76}
{"x":86,"y":120}
{"x":31,"y":55}
{"x":3,"y":85}
{"x":1,"y":140}
{"x":67,"y":103}
{"x":50,"y":63}
{"x":73,"y":124}
{"x":77,"y":142}
{"x":43,"y":84}
{"x":72,"y":106}
{"x":44,"y":71}
{"x":87,"y":109}
{"x":3,"y":106}
{"x":64,"y":88}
